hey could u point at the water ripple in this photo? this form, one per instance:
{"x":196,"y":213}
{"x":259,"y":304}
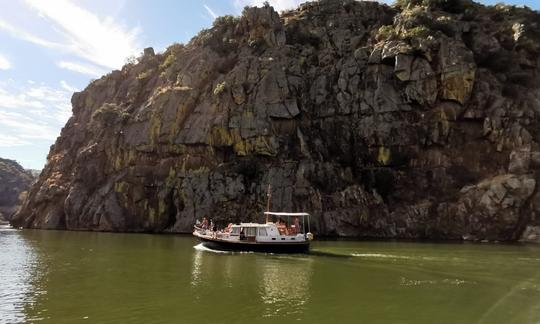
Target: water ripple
{"x":18,"y":267}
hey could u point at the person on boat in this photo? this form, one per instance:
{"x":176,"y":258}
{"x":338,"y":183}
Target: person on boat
{"x":214,"y":231}
{"x":242,"y":235}
{"x":296,"y":229}
{"x":204,"y":223}
{"x":282,"y":227}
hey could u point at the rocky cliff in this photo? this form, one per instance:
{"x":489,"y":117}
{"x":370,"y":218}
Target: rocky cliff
{"x":419,"y":120}
{"x":14,"y":182}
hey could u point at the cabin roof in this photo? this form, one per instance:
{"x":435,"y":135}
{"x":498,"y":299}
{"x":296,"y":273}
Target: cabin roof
{"x":286,"y":214}
{"x":253,"y":225}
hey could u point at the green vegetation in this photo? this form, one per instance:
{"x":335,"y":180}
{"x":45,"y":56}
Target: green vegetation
{"x":221,"y":36}
{"x":109,"y":114}
{"x":203,"y":37}
{"x":172,"y":55}
{"x":145,"y":75}
{"x":225,"y":21}
{"x":169,"y":60}
{"x":417,"y":32}
{"x":383,"y":157}
{"x":389,"y":33}
{"x":386,"y":33}
{"x":220,"y":87}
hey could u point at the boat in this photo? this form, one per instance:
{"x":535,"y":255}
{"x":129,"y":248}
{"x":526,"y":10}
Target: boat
{"x":270,"y":237}
{"x":282,"y":232}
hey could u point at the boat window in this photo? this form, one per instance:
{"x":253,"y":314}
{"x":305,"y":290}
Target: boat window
{"x":250,"y":231}
{"x":262,"y":231}
{"x":235,"y":231}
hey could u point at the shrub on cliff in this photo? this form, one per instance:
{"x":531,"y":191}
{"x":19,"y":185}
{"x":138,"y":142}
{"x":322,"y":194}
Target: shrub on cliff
{"x":171,"y":55}
{"x":220,"y":87}
{"x":220,"y":37}
{"x":225,"y":22}
{"x":386,"y":33}
{"x":109,"y":114}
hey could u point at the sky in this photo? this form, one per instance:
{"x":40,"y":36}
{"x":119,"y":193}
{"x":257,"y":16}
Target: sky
{"x":50,"y":49}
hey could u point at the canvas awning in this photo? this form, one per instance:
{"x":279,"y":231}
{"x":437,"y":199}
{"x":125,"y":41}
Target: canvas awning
{"x":286,"y":214}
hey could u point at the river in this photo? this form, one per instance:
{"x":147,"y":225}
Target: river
{"x":82,"y":277}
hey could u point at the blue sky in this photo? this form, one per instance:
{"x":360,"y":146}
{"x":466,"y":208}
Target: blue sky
{"x":49,"y":49}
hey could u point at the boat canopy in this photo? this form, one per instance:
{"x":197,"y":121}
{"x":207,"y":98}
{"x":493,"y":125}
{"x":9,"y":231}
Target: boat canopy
{"x":249,"y":225}
{"x":286,"y":214}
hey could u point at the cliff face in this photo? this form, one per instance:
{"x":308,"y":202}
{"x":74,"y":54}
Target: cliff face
{"x":14,"y":182}
{"x":390,"y":122}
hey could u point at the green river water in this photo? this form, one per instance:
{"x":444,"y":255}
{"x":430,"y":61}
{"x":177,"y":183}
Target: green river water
{"x":80,"y":277}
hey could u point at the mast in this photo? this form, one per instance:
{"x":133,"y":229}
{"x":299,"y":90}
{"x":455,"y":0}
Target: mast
{"x":269,"y":195}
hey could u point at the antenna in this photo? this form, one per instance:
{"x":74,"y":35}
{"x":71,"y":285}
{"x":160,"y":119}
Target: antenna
{"x":269,"y":195}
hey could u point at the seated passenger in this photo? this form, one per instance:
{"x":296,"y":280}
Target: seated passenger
{"x":204,"y":223}
{"x":292,"y":230}
{"x":282,"y":228}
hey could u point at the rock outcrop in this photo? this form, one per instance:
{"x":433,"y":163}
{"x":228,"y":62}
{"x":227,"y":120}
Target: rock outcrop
{"x":412,"y":121}
{"x":15,"y":181}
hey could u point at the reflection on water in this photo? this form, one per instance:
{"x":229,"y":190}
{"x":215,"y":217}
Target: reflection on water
{"x":20,"y":278}
{"x":197,"y":265}
{"x":282,"y":282}
{"x":284,"y":285}
{"x":74,"y":277}
{"x":196,"y":269}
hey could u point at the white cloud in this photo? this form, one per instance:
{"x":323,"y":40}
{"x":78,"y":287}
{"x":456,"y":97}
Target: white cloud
{"x":68,"y":87}
{"x":11,"y":100}
{"x":21,"y":34}
{"x":5,"y":64}
{"x":12,"y":141}
{"x":210,"y":11}
{"x":26,"y":128}
{"x":278,"y":5}
{"x":83,"y":68}
{"x":45,"y":93}
{"x":31,"y":113}
{"x":99,"y":40}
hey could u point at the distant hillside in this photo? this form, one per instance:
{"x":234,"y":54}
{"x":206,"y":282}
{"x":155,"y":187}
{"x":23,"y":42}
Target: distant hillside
{"x":15,"y":181}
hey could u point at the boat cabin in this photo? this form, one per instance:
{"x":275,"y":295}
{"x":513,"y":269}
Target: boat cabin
{"x":253,"y":232}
